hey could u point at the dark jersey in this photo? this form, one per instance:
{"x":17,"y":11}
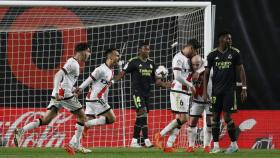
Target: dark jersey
{"x":142,"y":75}
{"x":224,"y":69}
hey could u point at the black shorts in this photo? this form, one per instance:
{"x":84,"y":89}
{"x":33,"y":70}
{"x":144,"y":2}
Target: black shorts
{"x":223,"y":102}
{"x":141,"y":102}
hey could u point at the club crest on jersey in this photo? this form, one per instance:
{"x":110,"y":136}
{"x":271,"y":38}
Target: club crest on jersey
{"x":217,"y":58}
{"x":230,"y":56}
{"x":140,"y":65}
{"x":151,"y":66}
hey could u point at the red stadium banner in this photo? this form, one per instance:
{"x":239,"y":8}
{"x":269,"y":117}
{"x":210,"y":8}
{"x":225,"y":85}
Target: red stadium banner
{"x":255,"y":128}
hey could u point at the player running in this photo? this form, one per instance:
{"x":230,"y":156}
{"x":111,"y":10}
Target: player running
{"x":62,"y":96}
{"x":98,"y":110}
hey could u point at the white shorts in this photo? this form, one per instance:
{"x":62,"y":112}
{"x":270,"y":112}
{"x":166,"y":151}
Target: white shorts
{"x":197,"y":108}
{"x":71,"y":103}
{"x":96,"y":107}
{"x":179,"y":102}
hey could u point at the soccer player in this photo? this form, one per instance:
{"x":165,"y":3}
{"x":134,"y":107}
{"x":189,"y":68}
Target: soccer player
{"x":142,"y":70}
{"x":97,"y":98}
{"x":180,"y":93}
{"x":197,"y":107}
{"x":225,"y":62}
{"x":62,"y":96}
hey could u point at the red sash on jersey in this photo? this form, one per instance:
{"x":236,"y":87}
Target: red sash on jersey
{"x":103,"y":90}
{"x":197,"y":84}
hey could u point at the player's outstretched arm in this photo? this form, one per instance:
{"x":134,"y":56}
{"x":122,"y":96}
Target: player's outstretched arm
{"x":119,"y":76}
{"x":85,"y":83}
{"x":164,"y":84}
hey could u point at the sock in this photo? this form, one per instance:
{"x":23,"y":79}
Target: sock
{"x":191,"y":135}
{"x":216,"y":145}
{"x":94,"y":122}
{"x":207,"y":135}
{"x":32,"y":125}
{"x":173,"y":124}
{"x":134,"y":141}
{"x":137,"y":128}
{"x":231,"y":130}
{"x":234,"y":144}
{"x":144,"y":127}
{"x":172,"y":137}
{"x":78,"y":134}
{"x":215,"y":131}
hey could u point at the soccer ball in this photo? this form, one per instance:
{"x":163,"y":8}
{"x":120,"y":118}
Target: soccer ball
{"x":161,"y":72}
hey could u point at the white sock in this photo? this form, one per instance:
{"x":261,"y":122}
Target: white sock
{"x":94,"y":122}
{"x":134,"y":141}
{"x":207,"y":136}
{"x":77,"y":136}
{"x":31,"y":125}
{"x":191,"y":135}
{"x":234,"y":144}
{"x":172,"y":137}
{"x":216,"y":145}
{"x":169,"y":127}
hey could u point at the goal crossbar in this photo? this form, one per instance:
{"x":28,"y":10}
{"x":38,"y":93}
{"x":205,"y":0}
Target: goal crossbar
{"x":104,"y":3}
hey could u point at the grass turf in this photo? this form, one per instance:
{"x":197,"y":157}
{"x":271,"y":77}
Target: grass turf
{"x":130,"y":153}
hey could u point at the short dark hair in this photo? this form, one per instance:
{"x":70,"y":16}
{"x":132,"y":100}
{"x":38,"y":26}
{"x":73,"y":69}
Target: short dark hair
{"x":143,"y":43}
{"x":223,"y":33}
{"x":194,"y":43}
{"x":109,"y":51}
{"x":81,"y":47}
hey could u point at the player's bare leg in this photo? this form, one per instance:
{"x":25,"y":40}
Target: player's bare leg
{"x":45,"y":120}
{"x":106,"y":118}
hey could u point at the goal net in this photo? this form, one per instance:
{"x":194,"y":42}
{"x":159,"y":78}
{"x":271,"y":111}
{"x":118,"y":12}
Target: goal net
{"x":37,"y":38}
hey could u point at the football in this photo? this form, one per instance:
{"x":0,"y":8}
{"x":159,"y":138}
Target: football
{"x":161,"y":72}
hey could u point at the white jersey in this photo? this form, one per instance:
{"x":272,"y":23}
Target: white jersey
{"x":180,"y":62}
{"x":101,"y":77}
{"x":72,"y":70}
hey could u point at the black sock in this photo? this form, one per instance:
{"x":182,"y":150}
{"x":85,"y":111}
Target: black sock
{"x":216,"y":131}
{"x":144,"y":127}
{"x":231,"y":130}
{"x":137,"y":128}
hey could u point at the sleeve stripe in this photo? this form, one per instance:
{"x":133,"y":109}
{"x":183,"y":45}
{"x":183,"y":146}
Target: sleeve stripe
{"x":64,"y":71}
{"x":177,"y":68}
{"x":92,"y":77}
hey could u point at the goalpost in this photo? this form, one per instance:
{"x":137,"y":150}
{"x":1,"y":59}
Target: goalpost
{"x":37,"y":37}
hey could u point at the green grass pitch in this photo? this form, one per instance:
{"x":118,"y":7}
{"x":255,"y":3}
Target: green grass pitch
{"x":129,"y":153}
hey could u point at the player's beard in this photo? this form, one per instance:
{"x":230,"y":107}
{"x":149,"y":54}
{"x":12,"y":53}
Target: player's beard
{"x":86,"y":57}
